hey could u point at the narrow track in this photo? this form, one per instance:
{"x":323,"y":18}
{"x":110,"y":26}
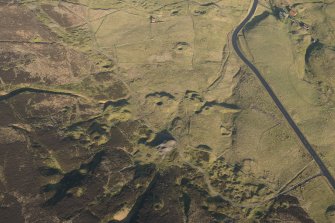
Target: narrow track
{"x":36,"y":90}
{"x":304,"y":141}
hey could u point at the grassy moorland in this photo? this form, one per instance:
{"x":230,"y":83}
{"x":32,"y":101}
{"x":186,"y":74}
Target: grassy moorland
{"x":140,"y":111}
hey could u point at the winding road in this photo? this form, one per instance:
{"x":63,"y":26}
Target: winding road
{"x":304,"y":141}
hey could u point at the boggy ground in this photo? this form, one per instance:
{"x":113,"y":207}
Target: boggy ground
{"x":139,"y":111}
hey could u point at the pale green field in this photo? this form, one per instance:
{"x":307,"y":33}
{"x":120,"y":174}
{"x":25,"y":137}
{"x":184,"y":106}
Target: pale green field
{"x":280,"y":56}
